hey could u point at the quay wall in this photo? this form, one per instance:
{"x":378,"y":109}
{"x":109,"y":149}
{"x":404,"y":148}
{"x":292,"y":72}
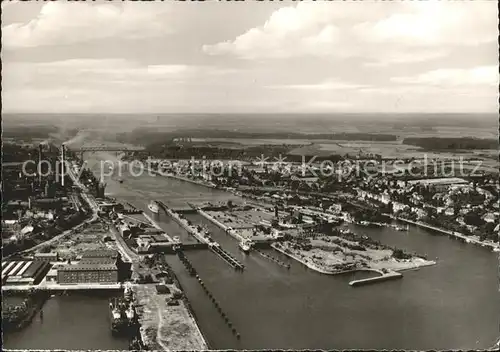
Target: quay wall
{"x":189,"y":308}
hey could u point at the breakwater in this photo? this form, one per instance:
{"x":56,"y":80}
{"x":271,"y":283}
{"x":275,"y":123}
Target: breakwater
{"x":371,"y":280}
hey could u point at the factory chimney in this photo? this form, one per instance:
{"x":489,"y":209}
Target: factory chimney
{"x":40,"y":150}
{"x":63,"y":152}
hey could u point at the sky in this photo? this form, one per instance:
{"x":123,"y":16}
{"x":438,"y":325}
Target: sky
{"x":252,"y":56}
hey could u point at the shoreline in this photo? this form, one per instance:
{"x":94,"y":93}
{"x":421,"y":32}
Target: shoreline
{"x":467,"y":239}
{"x":310,"y":265}
{"x":181,"y":178}
{"x":320,"y":270}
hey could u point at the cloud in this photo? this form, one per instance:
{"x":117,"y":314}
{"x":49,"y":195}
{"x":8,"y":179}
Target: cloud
{"x":388,"y":33}
{"x":486,"y":76}
{"x":62,"y":23}
{"x":435,"y":23}
{"x":326,"y":85}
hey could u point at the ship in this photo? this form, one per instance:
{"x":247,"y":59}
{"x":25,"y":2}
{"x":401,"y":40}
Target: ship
{"x":153,"y":206}
{"x":119,"y":321}
{"x":401,"y":228}
{"x":130,"y":313}
{"x":128,"y":294}
{"x":245,"y":246}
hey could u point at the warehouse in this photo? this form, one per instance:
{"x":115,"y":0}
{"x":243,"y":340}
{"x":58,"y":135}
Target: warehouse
{"x":87,"y":273}
{"x":24,"y":272}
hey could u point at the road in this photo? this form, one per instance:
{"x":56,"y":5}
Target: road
{"x":123,"y":247}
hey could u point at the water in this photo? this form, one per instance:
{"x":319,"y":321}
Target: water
{"x":76,"y":321}
{"x":453,"y":305}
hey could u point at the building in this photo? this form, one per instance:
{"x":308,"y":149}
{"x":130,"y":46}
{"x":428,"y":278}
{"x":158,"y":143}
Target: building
{"x":95,"y":266}
{"x":24,"y":272}
{"x":440,"y":184}
{"x":87,"y":273}
{"x":50,"y":257}
{"x":100,"y":253}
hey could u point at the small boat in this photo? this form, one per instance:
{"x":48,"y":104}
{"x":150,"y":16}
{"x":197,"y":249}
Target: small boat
{"x":245,"y":246}
{"x":496,"y":249}
{"x":153,"y":206}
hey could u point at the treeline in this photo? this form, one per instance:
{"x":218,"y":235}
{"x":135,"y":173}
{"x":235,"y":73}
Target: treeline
{"x":27,"y":133}
{"x":198,"y":152}
{"x":437,"y":143}
{"x":146,"y":136}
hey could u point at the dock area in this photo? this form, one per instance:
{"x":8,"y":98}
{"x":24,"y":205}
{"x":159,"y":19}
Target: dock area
{"x":227,"y":229}
{"x":165,"y":327}
{"x":214,"y":246}
{"x":156,"y":226}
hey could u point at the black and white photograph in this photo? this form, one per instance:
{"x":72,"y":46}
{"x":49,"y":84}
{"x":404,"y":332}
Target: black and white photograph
{"x":250,"y":175}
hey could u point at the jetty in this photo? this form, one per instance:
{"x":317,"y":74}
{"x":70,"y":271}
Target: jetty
{"x":391,"y":275}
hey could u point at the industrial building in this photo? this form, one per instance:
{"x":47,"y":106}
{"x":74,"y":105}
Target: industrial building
{"x":87,"y":273}
{"x":440,"y":184}
{"x":100,"y":253}
{"x":51,"y":257}
{"x":95,"y":266}
{"x":24,"y":272}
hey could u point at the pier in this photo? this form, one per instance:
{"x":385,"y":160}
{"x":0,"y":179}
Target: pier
{"x":392,"y":275}
{"x":192,"y":271}
{"x":227,"y":257}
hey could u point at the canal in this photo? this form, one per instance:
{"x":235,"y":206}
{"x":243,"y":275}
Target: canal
{"x":78,"y":321}
{"x":452,"y":305}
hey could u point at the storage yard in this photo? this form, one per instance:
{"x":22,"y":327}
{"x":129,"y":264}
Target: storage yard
{"x":163,"y":326}
{"x":93,"y":237}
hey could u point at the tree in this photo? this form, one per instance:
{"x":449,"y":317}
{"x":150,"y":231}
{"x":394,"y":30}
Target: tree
{"x":473,"y":219}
